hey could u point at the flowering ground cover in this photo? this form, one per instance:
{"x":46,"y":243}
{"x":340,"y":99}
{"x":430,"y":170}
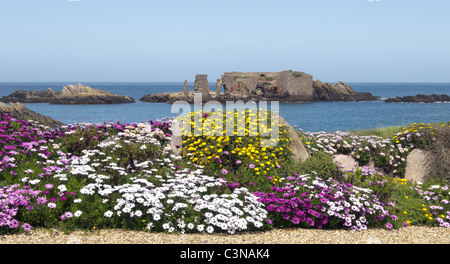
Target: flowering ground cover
{"x":111,"y":175}
{"x":387,"y":153}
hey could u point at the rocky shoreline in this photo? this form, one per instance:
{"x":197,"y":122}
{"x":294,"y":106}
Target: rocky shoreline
{"x":70,"y":94}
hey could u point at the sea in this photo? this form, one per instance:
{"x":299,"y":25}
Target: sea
{"x":310,"y":117}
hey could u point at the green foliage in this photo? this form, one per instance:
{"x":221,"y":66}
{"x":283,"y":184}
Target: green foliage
{"x":321,"y":164}
{"x":386,"y":132}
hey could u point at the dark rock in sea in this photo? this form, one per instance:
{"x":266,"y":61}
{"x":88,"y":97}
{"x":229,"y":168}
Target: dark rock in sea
{"x":420,"y":98}
{"x":71,"y":94}
{"x":339,"y":92}
{"x":19,"y":111}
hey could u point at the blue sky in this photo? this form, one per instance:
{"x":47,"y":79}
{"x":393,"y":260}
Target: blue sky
{"x":171,"y":40}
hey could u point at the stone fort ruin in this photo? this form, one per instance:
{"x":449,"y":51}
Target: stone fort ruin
{"x":286,"y":86}
{"x":293,"y":84}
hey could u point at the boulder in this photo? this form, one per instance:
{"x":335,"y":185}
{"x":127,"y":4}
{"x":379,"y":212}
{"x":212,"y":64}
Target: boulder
{"x":348,"y":163}
{"x":417,"y":165}
{"x":298,"y":149}
{"x":345,"y":162}
{"x":19,"y":111}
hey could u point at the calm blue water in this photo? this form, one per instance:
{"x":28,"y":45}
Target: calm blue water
{"x":317,"y":116}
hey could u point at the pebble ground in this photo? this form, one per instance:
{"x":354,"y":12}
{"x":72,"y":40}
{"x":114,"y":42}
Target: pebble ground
{"x":410,"y":235}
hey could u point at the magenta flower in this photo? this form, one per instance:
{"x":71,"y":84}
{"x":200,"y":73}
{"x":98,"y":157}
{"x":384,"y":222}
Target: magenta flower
{"x":41,"y":200}
{"x":48,"y":186}
{"x":238,"y":162}
{"x":252,"y":166}
{"x":224,"y":171}
{"x":27,"y":227}
{"x":13,"y":224}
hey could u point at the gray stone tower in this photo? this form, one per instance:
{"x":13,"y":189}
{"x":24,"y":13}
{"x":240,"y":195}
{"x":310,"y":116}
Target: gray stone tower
{"x":201,"y":84}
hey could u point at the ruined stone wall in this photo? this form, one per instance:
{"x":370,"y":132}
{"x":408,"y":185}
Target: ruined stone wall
{"x":201,"y":84}
{"x":297,"y":84}
{"x":282,"y":84}
{"x":301,"y":86}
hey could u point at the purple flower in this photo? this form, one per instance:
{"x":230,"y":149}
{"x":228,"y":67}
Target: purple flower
{"x":234,"y":185}
{"x":389,"y":226}
{"x":27,"y":227}
{"x":48,"y":186}
{"x":41,"y":200}
{"x":252,"y":166}
{"x":238,"y":162}
{"x":66,"y":215}
{"x":224,"y":171}
{"x":13,"y":224}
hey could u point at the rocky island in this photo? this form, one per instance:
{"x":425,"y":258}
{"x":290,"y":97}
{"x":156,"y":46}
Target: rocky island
{"x":420,"y":98}
{"x":70,"y":94}
{"x":286,"y":86}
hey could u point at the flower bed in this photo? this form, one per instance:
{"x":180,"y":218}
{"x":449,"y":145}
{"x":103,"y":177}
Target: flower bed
{"x":92,"y":176}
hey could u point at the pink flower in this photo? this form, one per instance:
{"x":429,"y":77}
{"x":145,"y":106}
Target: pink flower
{"x":224,"y":171}
{"x":27,"y":227}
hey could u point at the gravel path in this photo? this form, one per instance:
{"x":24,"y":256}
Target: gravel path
{"x":411,"y":235}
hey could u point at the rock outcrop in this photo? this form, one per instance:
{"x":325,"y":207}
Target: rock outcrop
{"x":70,"y":94}
{"x":19,"y":111}
{"x":298,"y":149}
{"x":420,"y":98}
{"x":339,"y":92}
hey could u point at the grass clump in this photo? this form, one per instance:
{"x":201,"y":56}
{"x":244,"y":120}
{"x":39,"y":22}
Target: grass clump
{"x":386,"y":132}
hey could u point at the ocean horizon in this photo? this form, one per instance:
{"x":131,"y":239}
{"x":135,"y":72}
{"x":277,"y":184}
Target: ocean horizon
{"x":309,"y":116}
